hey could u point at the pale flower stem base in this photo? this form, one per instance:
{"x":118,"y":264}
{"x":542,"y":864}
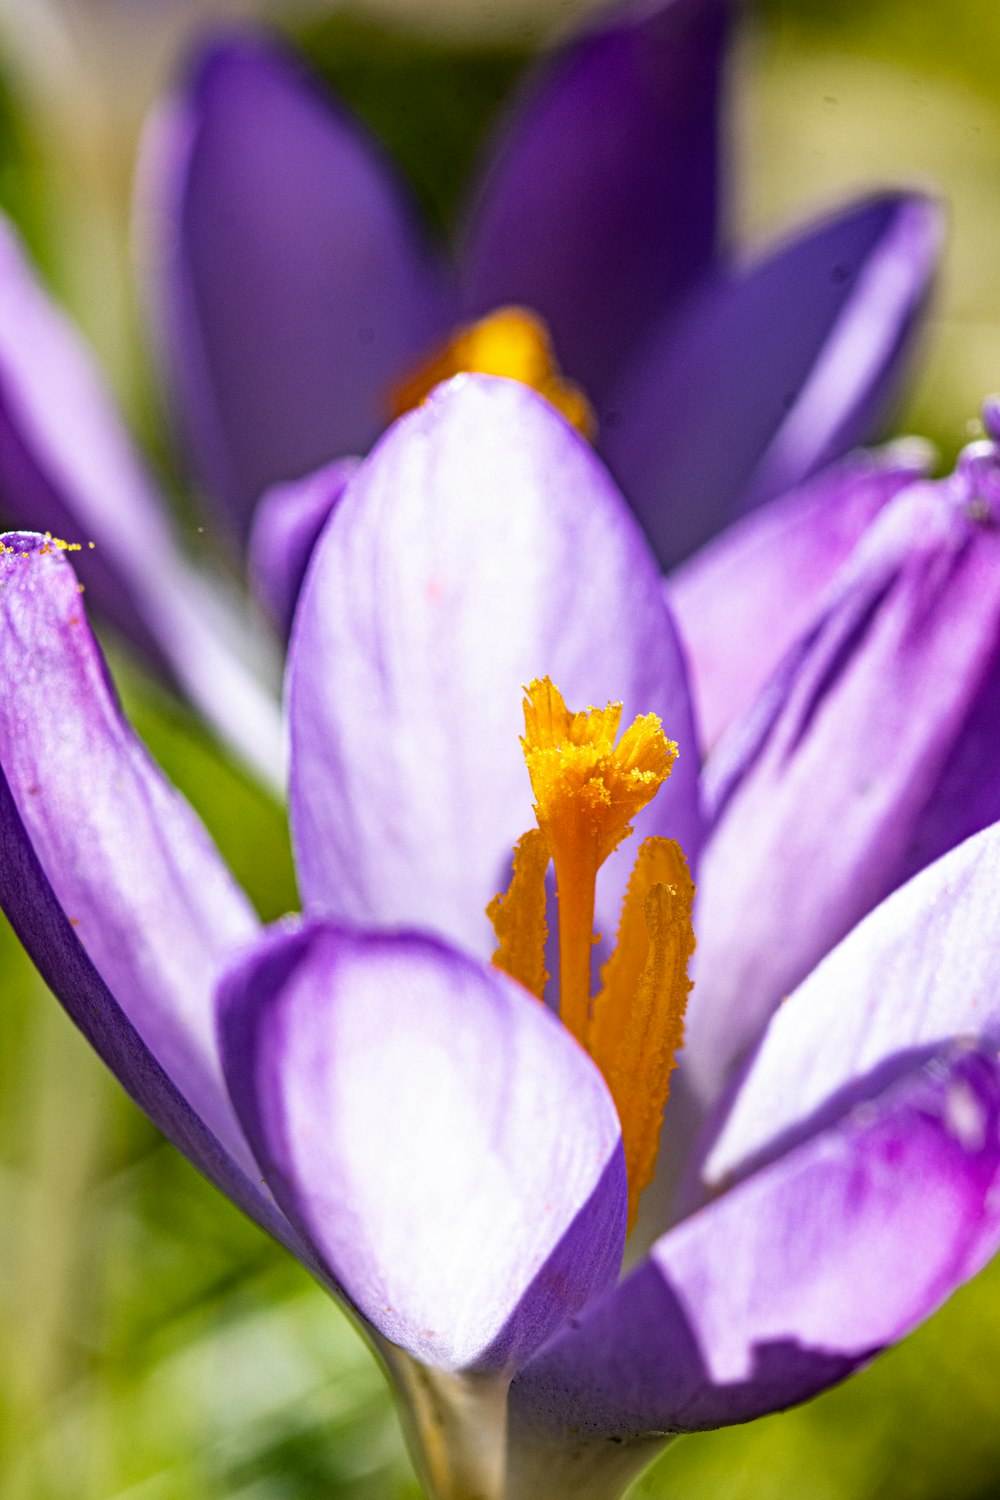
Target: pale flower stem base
{"x":456,"y":1429}
{"x":541,"y":1464}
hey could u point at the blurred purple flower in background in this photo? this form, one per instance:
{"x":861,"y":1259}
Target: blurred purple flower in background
{"x":440,"y":1151}
{"x":293,"y":293}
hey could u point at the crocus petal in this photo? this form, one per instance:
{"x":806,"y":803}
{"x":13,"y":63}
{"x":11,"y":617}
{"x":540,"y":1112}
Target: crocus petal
{"x":869,"y":753}
{"x":453,"y":1154}
{"x":67,"y":466}
{"x":743,"y":600}
{"x":481,"y":544}
{"x":128,"y":862}
{"x":771,"y":372}
{"x":286,"y":527}
{"x":289,"y":280}
{"x":920,"y":969}
{"x":794,"y":1278}
{"x":600,"y":205}
{"x":41,"y":925}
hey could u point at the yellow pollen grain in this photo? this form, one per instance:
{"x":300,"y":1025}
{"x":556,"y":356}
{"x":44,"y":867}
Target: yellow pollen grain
{"x":511,"y":342}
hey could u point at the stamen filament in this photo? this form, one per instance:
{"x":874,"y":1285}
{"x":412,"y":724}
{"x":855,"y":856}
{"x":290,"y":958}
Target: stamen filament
{"x":575,"y":883}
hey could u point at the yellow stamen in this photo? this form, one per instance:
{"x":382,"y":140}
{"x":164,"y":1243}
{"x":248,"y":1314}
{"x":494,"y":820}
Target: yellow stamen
{"x":587,"y":790}
{"x":511,"y":342}
{"x":639,"y":1013}
{"x":519,"y":916}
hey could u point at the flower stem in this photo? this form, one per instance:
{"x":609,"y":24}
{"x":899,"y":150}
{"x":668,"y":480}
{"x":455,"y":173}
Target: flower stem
{"x":456,"y":1428}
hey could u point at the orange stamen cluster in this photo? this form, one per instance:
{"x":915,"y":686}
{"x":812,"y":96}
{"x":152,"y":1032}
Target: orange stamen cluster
{"x":587,"y":789}
{"x":511,"y":342}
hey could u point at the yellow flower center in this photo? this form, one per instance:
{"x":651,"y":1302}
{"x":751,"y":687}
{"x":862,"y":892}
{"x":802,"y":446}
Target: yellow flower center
{"x":511,"y":341}
{"x":587,"y":789}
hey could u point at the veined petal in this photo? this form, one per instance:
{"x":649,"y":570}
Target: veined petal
{"x":791,"y":1280}
{"x":869,"y":753}
{"x":135,"y":873}
{"x":286,"y":527}
{"x":67,"y":466}
{"x":289,"y":280}
{"x":480,"y":545}
{"x":770,"y":372}
{"x":600,"y":203}
{"x":920,"y":969}
{"x":746,"y":597}
{"x":434,"y":1131}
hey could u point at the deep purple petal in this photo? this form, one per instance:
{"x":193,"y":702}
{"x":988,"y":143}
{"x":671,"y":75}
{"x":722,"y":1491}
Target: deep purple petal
{"x":600,"y":205}
{"x":67,"y":466}
{"x":770,"y":373}
{"x":795,"y":1277}
{"x":744,"y":599}
{"x":481,"y":545}
{"x":289,"y":278}
{"x":870,"y":751}
{"x":431,"y":1127}
{"x":286,"y":528}
{"x":141,"y":884}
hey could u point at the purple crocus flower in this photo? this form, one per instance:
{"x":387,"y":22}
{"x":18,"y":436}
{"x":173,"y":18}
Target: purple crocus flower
{"x":429,"y":1139}
{"x":294,"y":292}
{"x":715,"y":386}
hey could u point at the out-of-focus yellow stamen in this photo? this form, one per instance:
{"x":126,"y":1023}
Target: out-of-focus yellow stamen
{"x":638,"y":1023}
{"x":511,"y":341}
{"x":587,"y":789}
{"x":519,"y":916}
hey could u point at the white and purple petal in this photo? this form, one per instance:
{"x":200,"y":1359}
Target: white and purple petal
{"x":289,"y":278}
{"x":770,"y":372}
{"x":600,"y":205}
{"x":870,"y":752}
{"x":40,"y":923}
{"x":921,"y":969}
{"x":792,"y":1279}
{"x":450,"y":1150}
{"x":133,"y":870}
{"x":481,"y":545}
{"x":744,"y":599}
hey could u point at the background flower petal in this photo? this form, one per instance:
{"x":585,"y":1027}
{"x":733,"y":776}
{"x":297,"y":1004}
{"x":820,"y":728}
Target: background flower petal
{"x":132,"y":868}
{"x":434,"y":1131}
{"x":67,"y":466}
{"x":791,"y":1280}
{"x":869,"y":752}
{"x":745,"y":598}
{"x":481,"y":544}
{"x":599,"y":206}
{"x":289,"y":281}
{"x":770,"y":372}
{"x":286,"y":527}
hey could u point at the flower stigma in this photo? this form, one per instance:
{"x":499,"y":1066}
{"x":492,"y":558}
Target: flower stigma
{"x":510,"y":341}
{"x":587,"y":789}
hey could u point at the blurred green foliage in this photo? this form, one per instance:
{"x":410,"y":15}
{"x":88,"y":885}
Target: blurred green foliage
{"x":154,"y":1345}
